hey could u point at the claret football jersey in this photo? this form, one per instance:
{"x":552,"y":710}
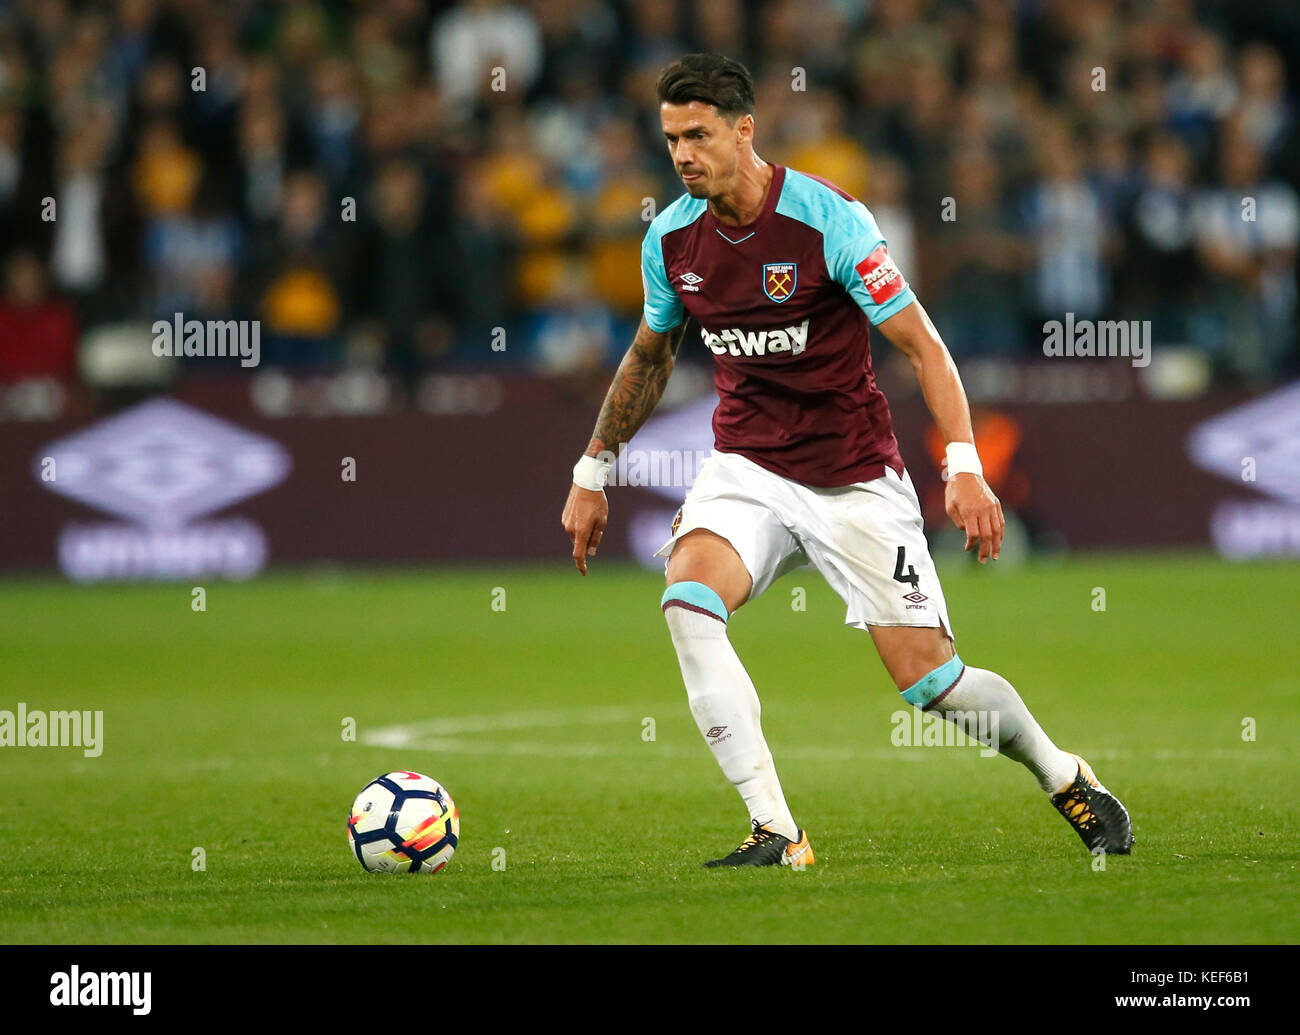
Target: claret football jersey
{"x":785,"y":306}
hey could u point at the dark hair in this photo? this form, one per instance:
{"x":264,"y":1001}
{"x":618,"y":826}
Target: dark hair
{"x":709,"y":79}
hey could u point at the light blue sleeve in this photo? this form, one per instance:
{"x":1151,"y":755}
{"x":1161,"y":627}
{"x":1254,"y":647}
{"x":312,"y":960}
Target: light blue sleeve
{"x":850,"y":238}
{"x":858,"y":240}
{"x":663,"y":306}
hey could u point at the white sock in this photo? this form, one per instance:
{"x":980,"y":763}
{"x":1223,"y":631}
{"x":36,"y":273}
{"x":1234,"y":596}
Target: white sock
{"x":1018,"y":735}
{"x":725,"y":704}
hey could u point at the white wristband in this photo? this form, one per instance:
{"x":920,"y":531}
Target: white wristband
{"x":592,"y":473}
{"x":963,"y":459}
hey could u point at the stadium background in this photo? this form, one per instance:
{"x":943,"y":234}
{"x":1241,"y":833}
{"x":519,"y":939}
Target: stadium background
{"x":453,"y":342}
{"x":434,"y":211}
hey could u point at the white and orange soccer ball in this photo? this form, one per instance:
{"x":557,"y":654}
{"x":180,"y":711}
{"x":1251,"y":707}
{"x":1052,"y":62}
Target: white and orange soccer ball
{"x":403,"y":823}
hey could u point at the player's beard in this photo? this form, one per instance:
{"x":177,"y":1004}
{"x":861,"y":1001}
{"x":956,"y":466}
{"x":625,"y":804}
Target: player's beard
{"x":712,"y":185}
{"x":697,"y":188}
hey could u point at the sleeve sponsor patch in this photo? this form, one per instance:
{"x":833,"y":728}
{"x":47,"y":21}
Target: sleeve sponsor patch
{"x":881,"y":277}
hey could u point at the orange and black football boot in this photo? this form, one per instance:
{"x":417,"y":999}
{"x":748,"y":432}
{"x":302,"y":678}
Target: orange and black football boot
{"x":1096,"y":815}
{"x":766,"y":847}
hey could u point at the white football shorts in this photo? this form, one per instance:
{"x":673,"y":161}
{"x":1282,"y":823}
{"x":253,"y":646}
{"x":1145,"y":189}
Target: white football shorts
{"x":866,"y":539}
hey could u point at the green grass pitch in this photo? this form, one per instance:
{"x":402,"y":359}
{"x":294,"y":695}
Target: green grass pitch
{"x":224,"y":730}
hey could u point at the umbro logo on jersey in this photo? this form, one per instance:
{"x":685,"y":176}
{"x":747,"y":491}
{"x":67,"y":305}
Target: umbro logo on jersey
{"x":793,"y":339}
{"x":690,"y":281}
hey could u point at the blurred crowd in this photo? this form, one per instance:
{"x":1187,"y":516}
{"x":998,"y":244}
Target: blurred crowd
{"x":411,"y":185}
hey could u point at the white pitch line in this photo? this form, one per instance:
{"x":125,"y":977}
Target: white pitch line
{"x":401,"y":734}
{"x":502,"y":748}
{"x":606,"y":750}
{"x":454,"y":734}
{"x":447,"y":735}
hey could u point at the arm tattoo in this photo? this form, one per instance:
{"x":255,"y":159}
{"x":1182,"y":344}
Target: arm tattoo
{"x":635,"y":391}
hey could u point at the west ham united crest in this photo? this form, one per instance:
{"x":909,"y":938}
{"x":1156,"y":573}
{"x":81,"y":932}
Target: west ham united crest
{"x":779,"y":279}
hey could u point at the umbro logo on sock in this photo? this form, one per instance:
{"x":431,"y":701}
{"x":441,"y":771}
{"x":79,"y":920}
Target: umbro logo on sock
{"x":716,"y":731}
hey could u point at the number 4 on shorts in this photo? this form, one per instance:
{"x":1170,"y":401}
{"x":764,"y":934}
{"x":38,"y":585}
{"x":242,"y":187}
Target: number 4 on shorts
{"x":911,"y":577}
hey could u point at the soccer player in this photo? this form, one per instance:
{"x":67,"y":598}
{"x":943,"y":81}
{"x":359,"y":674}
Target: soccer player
{"x":786,"y":275}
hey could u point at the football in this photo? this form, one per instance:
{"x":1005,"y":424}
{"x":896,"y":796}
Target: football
{"x":403,"y":822}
